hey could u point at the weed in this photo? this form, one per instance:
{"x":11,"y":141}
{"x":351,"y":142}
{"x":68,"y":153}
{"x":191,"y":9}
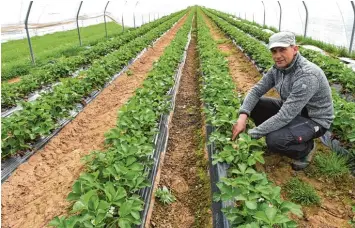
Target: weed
{"x":301,"y":192}
{"x":164,"y":195}
{"x":221,"y":41}
{"x":352,"y":221}
{"x":129,"y":73}
{"x":226,"y":53}
{"x":330,"y":165}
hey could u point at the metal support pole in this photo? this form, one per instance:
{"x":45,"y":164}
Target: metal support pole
{"x":122,"y":23}
{"x":280,"y":15}
{"x":77,"y":22}
{"x":149,"y":17}
{"x":352,"y":33}
{"x":306,"y":23}
{"x":28,"y":35}
{"x":142,"y":20}
{"x":134,"y":14}
{"x":264,"y":12}
{"x":134,"y":20}
{"x":253,"y":17}
{"x":105,"y":18}
{"x":245,"y":15}
{"x":122,"y":15}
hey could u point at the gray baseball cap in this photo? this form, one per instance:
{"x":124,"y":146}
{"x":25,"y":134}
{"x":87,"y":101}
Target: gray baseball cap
{"x":282,"y":39}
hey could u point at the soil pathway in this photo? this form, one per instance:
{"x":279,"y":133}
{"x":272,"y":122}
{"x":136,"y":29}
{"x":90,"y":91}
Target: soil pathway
{"x":185,"y":167}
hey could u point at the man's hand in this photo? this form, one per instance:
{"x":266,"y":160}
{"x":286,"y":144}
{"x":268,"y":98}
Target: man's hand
{"x":240,"y":126}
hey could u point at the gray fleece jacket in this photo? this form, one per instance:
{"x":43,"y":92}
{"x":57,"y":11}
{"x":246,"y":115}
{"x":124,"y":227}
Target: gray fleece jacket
{"x":301,"y":84}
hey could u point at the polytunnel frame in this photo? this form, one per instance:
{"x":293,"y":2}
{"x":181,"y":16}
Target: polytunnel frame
{"x":264,"y":12}
{"x":77,"y":22}
{"x":280,"y":15}
{"x":28,"y":35}
{"x":105,"y":18}
{"x":134,"y":15}
{"x":77,"y":26}
{"x":306,"y":22}
{"x":80,"y":42}
{"x":352,"y":33}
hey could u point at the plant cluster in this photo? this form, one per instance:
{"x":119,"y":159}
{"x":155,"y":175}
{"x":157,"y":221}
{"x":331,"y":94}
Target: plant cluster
{"x":106,"y":194}
{"x":301,"y":192}
{"x":343,"y":125}
{"x":16,"y":56}
{"x":39,"y":118}
{"x":64,"y":67}
{"x":164,"y":195}
{"x":257,"y":201}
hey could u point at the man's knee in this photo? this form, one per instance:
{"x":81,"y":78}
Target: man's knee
{"x":276,"y":141}
{"x":284,"y":143}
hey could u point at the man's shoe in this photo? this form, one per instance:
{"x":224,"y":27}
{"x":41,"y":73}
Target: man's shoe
{"x":305,"y":161}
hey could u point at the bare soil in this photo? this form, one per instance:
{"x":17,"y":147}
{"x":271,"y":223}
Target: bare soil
{"x":185,"y":167}
{"x":36,"y":192}
{"x":336,"y":196}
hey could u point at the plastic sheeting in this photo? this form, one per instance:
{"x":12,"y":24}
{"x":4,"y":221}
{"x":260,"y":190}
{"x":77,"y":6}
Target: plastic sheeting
{"x":54,"y":16}
{"x":329,"y":21}
{"x":217,"y":172}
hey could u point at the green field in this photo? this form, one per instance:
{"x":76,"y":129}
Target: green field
{"x":16,"y":59}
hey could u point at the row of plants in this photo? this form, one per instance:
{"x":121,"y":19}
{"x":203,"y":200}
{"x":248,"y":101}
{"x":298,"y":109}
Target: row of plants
{"x":254,"y":48}
{"x":11,"y":93}
{"x":257,"y":201}
{"x":329,"y":48}
{"x":105,"y":195}
{"x":344,"y":124}
{"x":16,"y":56}
{"x":335,"y":70}
{"x":39,"y":118}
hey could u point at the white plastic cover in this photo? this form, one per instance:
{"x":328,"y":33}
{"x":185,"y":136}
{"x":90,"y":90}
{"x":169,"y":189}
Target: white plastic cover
{"x":329,"y":21}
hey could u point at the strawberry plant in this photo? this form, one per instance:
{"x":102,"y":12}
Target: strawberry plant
{"x":344,"y":123}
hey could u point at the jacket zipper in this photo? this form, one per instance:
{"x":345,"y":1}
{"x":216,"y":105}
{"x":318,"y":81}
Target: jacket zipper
{"x":291,"y":127}
{"x":282,"y":82}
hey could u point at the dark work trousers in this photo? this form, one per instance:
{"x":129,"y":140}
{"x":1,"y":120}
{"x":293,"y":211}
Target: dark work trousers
{"x":295,"y":140}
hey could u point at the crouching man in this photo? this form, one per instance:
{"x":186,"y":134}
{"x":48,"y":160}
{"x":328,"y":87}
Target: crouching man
{"x":304,"y":112}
